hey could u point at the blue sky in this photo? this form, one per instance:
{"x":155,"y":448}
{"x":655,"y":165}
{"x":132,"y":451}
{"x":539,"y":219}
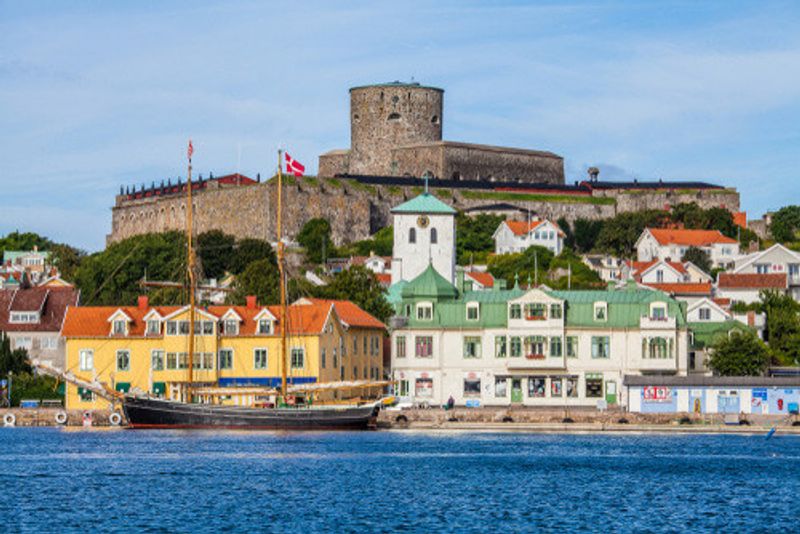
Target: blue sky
{"x":94,"y":95}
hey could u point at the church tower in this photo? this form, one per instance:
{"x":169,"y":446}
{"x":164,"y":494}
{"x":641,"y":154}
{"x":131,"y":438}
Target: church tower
{"x":424,"y":233}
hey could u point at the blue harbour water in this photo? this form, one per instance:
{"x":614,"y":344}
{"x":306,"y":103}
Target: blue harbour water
{"x":55,"y":480}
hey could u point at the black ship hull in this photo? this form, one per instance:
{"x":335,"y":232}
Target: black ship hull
{"x":157,"y":413}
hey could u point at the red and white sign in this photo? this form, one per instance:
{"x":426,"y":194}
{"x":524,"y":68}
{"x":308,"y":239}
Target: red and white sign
{"x":657,"y":394}
{"x":293,"y":166}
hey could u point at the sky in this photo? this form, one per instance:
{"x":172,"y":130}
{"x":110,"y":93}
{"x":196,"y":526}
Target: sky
{"x":98,"y":95}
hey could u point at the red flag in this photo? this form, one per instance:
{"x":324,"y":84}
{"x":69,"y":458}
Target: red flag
{"x":294,"y":167}
{"x":190,"y":150}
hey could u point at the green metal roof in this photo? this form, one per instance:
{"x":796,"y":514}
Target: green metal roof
{"x":12,"y":255}
{"x":706,"y":333}
{"x":395,"y":292}
{"x":430,"y":284}
{"x":424,"y":203}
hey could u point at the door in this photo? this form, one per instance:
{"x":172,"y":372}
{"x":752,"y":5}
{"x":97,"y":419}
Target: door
{"x":611,"y":392}
{"x":728,"y":403}
{"x":516,"y":390}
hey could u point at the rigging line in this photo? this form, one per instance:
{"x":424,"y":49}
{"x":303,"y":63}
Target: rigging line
{"x":114,"y":272}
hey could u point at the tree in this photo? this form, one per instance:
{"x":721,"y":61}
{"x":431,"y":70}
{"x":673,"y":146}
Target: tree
{"x":315,"y":237}
{"x":260,"y":279}
{"x":24,"y":241}
{"x":740,"y":354}
{"x":569,"y":237}
{"x":567,"y":271}
{"x":67,"y":259}
{"x":112,"y":277}
{"x":249,"y":250}
{"x":380,"y":243}
{"x":698,"y":257}
{"x":785,"y":224}
{"x":619,"y":235}
{"x":585,"y":233}
{"x":532,"y":263}
{"x":215,"y":252}
{"x":358,"y":284}
{"x":12,"y":361}
{"x":475,"y":241}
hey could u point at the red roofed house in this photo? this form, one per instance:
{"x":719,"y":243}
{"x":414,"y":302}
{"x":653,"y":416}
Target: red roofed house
{"x":672,"y":244}
{"x":32,"y":319}
{"x":777,"y":259}
{"x":747,"y":287}
{"x":516,"y":236}
{"x":479,"y":280}
{"x":145,"y":347}
{"x":685,"y":281}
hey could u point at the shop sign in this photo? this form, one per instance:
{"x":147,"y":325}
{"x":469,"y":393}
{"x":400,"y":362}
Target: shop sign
{"x":657,"y":394}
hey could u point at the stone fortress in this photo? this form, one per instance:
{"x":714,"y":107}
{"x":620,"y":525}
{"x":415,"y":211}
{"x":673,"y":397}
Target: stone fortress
{"x":396,"y":140}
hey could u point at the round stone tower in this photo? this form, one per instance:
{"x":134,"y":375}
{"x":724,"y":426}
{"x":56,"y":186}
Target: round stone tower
{"x":390,"y":115}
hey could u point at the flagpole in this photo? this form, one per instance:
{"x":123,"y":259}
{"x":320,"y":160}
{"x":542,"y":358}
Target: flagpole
{"x":190,"y":271}
{"x":282,"y":273}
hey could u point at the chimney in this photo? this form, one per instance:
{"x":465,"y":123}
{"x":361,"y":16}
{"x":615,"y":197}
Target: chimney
{"x":251,"y":302}
{"x":143,"y":302}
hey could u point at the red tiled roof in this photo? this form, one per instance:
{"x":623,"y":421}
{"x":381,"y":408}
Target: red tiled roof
{"x":349,"y":313}
{"x":639,"y":267}
{"x":696,"y":238}
{"x":52,"y":302}
{"x":752,"y":281}
{"x":92,"y":321}
{"x":484,"y":279}
{"x":722,"y":302}
{"x":524,"y":227}
{"x":687,"y":288}
{"x":384,"y":278}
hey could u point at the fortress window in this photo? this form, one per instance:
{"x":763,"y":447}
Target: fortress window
{"x":435,"y":119}
{"x":395,"y":99}
{"x":394,"y":116}
{"x":434,"y":236}
{"x":356,"y":118}
{"x":412,"y":235}
{"x":456,"y":176}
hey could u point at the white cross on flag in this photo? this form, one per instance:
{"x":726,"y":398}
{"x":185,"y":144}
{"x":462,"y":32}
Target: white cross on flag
{"x":294,"y":167}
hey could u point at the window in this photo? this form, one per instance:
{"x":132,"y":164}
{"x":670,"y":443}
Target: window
{"x":335,"y":358}
{"x":515,"y":311}
{"x":472,"y":347}
{"x":119,"y":327}
{"x":572,"y":346}
{"x":172,"y":328}
{"x":500,"y":346}
{"x":516,"y":347}
{"x":264,"y":326}
{"x":536,"y":387}
{"x":172,"y":360}
{"x":183,"y":360}
{"x":123,"y":360}
{"x":472,"y":387}
{"x":660,"y":276}
{"x":556,"y":311}
{"x":536,"y":311}
{"x":657,"y":348}
{"x":203,"y":360}
{"x":24,"y":317}
{"x":594,"y":388}
{"x":85,"y":395}
{"x":86,"y":360}
{"x":23,"y":343}
{"x":226,"y":358}
{"x":49,"y":343}
{"x":412,"y":235}
{"x":424,"y":311}
{"x":762,"y":268}
{"x":157,"y":360}
{"x":556,"y":346}
{"x":600,"y":311}
{"x":572,"y":386}
{"x":231,"y":327}
{"x":434,"y":236}
{"x":534,"y":347}
{"x":153,"y":327}
{"x":402,"y":389}
{"x":556,"y":385}
{"x":423,"y":387}
{"x":298,"y":358}
{"x":705,"y":314}
{"x":400,"y":347}
{"x":658,"y":312}
{"x":600,"y":347}
{"x":365,"y":344}
{"x":423,"y":347}
{"x":394,"y":116}
{"x":260,"y":358}
{"x":500,"y":387}
{"x":205,"y":328}
{"x":322,"y":358}
{"x":342,"y":347}
{"x":473,"y":311}
{"x":355,"y":345}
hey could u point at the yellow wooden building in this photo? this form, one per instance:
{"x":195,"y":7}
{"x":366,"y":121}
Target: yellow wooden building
{"x":146,"y":347}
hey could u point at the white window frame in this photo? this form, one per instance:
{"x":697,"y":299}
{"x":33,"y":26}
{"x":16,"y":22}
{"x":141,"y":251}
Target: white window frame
{"x":473,"y":306}
{"x":266,"y":359}
{"x":150,"y":323}
{"x":86,"y":360}
{"x":602,"y":305}
{"x":116,"y":360}
{"x":268,"y":330}
{"x":302,"y":352}
{"x":219,"y":358}
{"x":153,"y":359}
{"x":421,"y":307}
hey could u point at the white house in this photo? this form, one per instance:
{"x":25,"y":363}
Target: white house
{"x":608,"y":267}
{"x":682,"y":280}
{"x":775,"y":260}
{"x":672,"y":244}
{"x":516,"y":236}
{"x":747,"y":287}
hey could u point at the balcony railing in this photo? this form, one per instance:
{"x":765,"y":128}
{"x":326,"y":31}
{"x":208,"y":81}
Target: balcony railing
{"x":657,"y":322}
{"x":536,"y":361}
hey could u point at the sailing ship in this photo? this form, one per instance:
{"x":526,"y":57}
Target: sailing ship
{"x":292,"y":407}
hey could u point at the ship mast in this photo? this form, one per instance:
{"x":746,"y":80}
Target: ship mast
{"x":282,"y":272}
{"x":190,"y":272}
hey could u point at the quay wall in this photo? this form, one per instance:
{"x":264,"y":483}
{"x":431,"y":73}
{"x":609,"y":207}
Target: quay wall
{"x":47,"y":417}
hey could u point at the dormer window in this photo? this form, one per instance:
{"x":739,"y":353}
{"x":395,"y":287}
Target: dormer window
{"x":264,"y":326}
{"x":119,"y":327}
{"x":536,"y":311}
{"x":473,"y":311}
{"x":600,"y":311}
{"x":658,"y":311}
{"x":705,"y":314}
{"x":153,"y":327}
{"x":424,"y":311}
{"x":24,"y":317}
{"x":231,"y":327}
